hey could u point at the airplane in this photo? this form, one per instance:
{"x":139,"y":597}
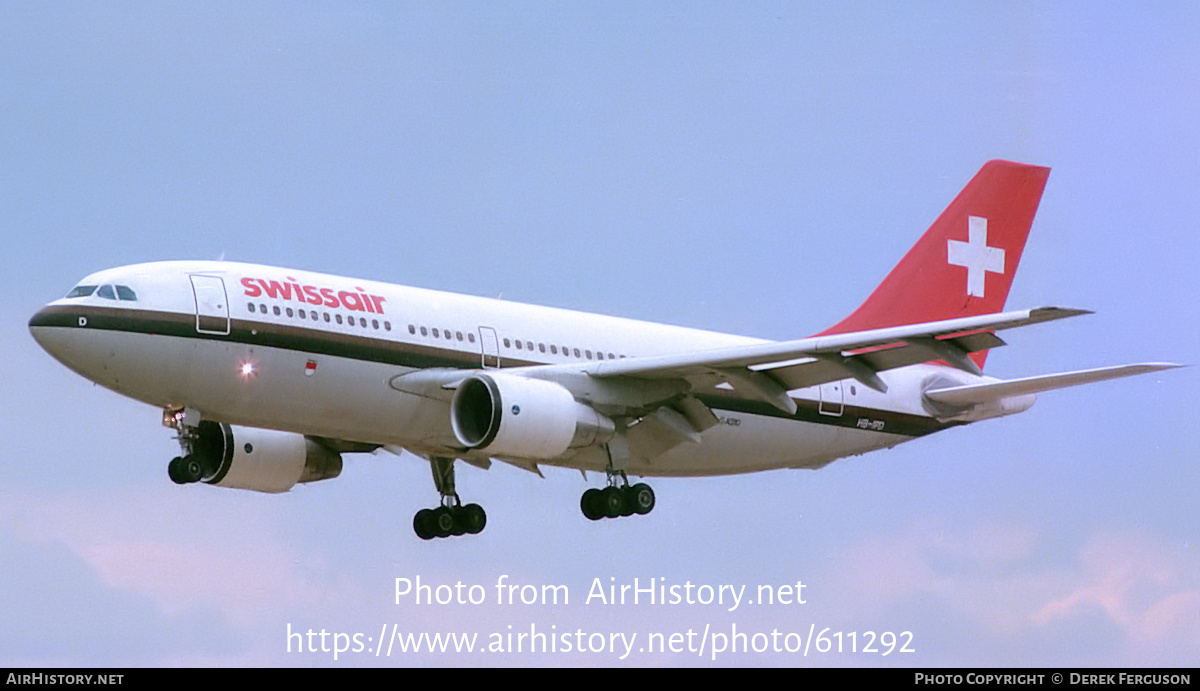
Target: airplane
{"x":268,"y":375}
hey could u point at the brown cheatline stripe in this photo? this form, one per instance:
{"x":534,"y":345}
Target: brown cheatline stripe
{"x":417,"y":356}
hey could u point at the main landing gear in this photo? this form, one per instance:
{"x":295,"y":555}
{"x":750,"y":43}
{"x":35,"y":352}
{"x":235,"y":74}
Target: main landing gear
{"x":618,"y":499}
{"x":451,"y":518}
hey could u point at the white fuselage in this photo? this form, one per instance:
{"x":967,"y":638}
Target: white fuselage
{"x":316,"y":354}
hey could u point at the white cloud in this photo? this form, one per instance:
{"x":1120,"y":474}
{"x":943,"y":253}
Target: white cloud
{"x":1009,"y":584}
{"x":185,"y":552}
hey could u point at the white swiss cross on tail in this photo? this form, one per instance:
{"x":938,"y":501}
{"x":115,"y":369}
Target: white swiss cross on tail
{"x":975,"y":255}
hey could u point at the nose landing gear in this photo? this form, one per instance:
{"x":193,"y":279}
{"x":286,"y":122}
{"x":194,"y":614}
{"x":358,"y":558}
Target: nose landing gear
{"x":184,"y":470}
{"x":189,"y":467}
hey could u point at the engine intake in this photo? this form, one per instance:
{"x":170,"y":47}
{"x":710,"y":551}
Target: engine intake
{"x":509,"y":415}
{"x":261,"y":460}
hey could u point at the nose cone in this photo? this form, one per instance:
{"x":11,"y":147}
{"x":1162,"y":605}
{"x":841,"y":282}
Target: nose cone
{"x":51,"y":328}
{"x":38,"y":324}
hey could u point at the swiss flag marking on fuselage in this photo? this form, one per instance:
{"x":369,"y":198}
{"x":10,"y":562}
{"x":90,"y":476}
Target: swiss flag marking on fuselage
{"x":975,"y":255}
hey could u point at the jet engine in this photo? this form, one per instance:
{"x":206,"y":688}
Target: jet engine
{"x":258,"y":459}
{"x":509,"y":415}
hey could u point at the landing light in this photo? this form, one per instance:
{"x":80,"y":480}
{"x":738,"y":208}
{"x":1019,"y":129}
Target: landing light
{"x":247,"y":369}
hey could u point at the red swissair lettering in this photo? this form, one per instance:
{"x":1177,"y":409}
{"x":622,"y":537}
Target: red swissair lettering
{"x":357,"y":300}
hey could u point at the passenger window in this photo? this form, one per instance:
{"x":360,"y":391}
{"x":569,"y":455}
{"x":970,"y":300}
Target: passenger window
{"x":326,"y":316}
{"x":519,"y":346}
{"x":507,"y":343}
{"x":470,"y":337}
{"x":107,"y":293}
{"x":435,"y":333}
{"x":541,"y":347}
{"x":458,"y":335}
{"x":362,"y":321}
{"x":412,"y":329}
{"x":81,"y":291}
{"x":553,"y":349}
{"x":336,"y":317}
{"x":276,"y":309}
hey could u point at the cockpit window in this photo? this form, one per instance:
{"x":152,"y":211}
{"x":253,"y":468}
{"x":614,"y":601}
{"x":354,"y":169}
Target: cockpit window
{"x":108,"y":292}
{"x":81,"y":291}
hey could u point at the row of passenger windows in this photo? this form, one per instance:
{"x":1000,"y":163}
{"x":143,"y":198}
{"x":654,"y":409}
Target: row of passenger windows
{"x":565,"y":350}
{"x":435,"y":332}
{"x":513,"y":343}
{"x":443,"y":333}
{"x":315,"y":316}
{"x":109,"y":292}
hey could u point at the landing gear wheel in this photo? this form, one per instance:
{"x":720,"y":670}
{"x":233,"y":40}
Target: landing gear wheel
{"x":591,"y":504}
{"x":452,"y":517}
{"x":460,"y":527}
{"x":193,"y":469}
{"x":473,"y":518}
{"x":613,"y":501}
{"x":617,"y":500}
{"x":627,"y":507}
{"x":185,"y":470}
{"x":175,"y":471}
{"x":641,"y":498}
{"x":423,"y":524}
{"x":443,"y":522}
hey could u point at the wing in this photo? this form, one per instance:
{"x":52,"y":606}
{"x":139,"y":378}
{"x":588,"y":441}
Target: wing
{"x":767,"y":371}
{"x":653,"y":401}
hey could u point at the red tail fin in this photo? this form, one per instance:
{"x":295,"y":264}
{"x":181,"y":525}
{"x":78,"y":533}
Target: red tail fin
{"x":964,"y":264}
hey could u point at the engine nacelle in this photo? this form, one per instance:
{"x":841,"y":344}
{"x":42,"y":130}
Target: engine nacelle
{"x":260,"y":459}
{"x":509,"y":415}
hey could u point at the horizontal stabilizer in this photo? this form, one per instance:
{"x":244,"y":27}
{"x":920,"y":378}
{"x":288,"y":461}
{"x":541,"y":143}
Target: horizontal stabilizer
{"x":972,"y":394}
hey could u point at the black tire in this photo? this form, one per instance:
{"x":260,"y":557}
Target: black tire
{"x":613,"y":501}
{"x":626,"y":501}
{"x":443,"y":522}
{"x":460,"y":525}
{"x":473,"y":518}
{"x":641,"y":498}
{"x":423,"y":524}
{"x":191,"y":469}
{"x":590,"y":503}
{"x":175,"y":471}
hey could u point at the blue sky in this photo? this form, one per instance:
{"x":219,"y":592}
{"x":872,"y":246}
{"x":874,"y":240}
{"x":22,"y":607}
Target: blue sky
{"x":754,"y":168}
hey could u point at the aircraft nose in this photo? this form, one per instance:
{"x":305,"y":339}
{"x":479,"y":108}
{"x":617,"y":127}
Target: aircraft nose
{"x":45,"y":327}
